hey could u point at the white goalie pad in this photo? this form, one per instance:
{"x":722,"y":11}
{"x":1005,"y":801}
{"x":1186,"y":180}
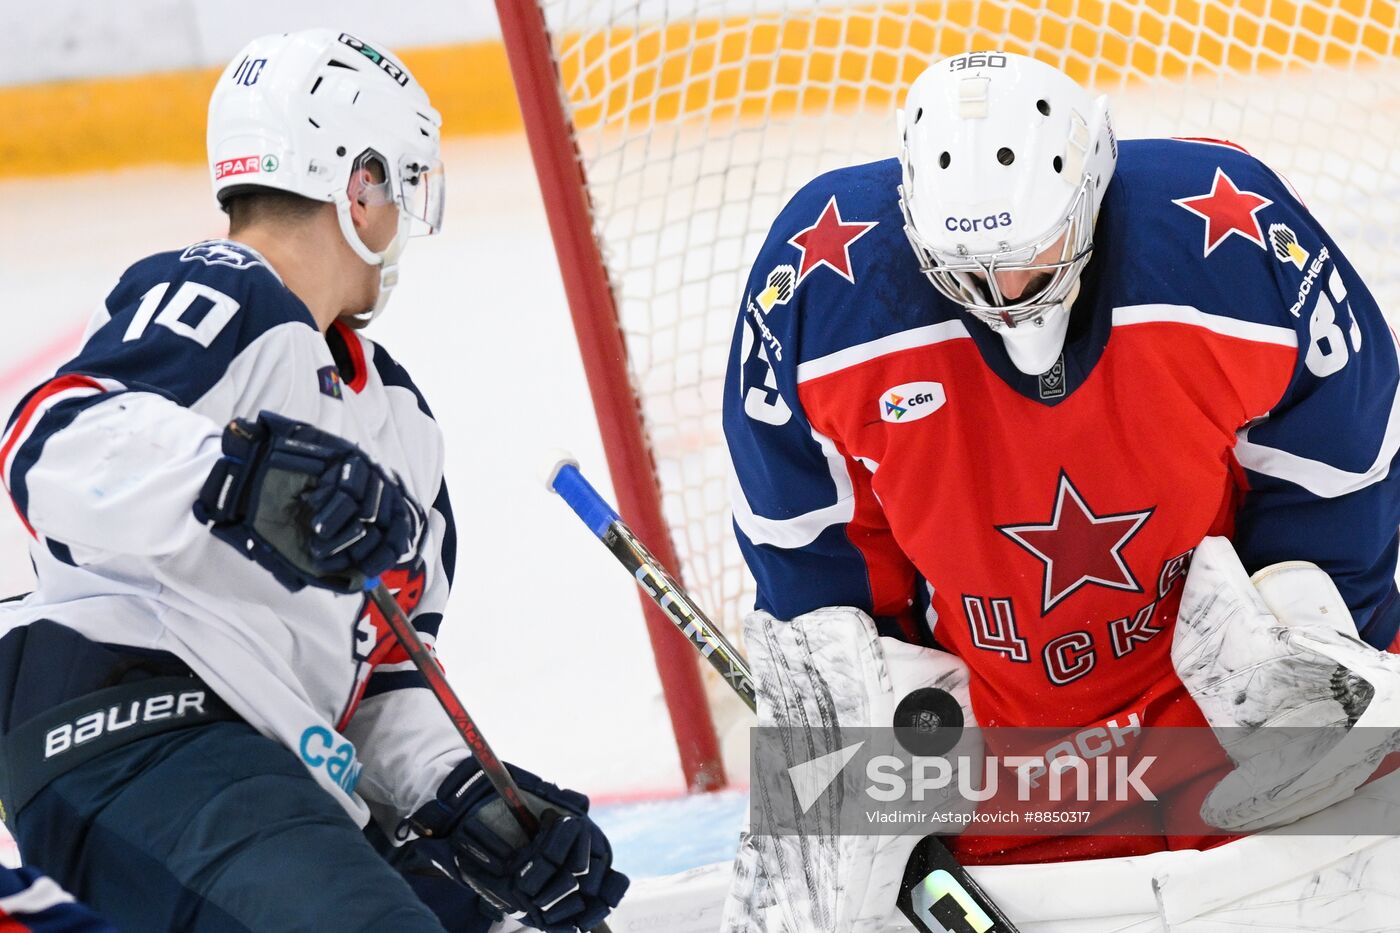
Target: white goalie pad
{"x":1325,"y":878}
{"x":1303,"y":707}
{"x":825,"y":671}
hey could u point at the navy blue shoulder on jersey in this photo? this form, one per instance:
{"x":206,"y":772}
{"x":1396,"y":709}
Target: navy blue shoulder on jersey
{"x":852,"y":292}
{"x":179,"y":319}
{"x":782,"y":469}
{"x":176,"y":321}
{"x":392,"y":374}
{"x":443,"y":505}
{"x":1169,"y":250}
{"x":875,"y":288}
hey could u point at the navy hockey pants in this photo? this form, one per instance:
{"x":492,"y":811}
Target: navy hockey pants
{"x":213,"y":829}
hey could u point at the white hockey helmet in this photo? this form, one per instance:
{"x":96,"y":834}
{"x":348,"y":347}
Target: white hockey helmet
{"x":1006,"y":161}
{"x":305,"y":111}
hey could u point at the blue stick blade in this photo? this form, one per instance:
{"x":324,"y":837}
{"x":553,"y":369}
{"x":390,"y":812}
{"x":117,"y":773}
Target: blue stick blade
{"x":584,"y":500}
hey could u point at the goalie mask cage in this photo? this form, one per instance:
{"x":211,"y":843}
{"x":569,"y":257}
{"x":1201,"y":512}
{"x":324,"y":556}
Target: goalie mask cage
{"x":667,"y":135}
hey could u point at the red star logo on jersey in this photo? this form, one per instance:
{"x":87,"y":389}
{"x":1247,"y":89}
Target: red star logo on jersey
{"x":1227,"y":210}
{"x":1079,"y":547}
{"x":828,"y":243}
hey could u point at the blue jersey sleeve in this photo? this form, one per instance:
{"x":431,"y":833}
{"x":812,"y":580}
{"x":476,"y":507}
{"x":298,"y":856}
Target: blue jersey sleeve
{"x":808,"y":525}
{"x":1320,"y":472}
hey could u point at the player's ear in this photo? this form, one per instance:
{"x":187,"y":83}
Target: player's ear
{"x":366,"y":187}
{"x":359,"y":213}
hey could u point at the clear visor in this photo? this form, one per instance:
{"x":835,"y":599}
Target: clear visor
{"x":1009,"y":286}
{"x":421,"y":195}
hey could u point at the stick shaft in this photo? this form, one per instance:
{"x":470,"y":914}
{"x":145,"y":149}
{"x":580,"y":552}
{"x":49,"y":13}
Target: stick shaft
{"x":609,"y":528}
{"x":428,"y":666}
{"x":656,"y":581}
{"x":423,"y":659}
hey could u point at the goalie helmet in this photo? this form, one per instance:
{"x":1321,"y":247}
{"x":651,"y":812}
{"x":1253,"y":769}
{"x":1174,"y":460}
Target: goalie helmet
{"x":1005,"y":163}
{"x":305,"y":112}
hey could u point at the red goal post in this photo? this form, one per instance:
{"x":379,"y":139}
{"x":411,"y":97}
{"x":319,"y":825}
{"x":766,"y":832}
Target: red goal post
{"x":590,"y":296}
{"x":667,"y":134}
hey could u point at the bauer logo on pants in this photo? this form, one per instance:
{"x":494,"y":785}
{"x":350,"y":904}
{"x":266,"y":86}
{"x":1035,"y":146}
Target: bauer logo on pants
{"x":101,"y":722}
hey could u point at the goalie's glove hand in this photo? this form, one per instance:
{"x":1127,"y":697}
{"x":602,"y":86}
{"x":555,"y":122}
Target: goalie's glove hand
{"x":1303,"y":707}
{"x":560,"y":881}
{"x":307,"y":505}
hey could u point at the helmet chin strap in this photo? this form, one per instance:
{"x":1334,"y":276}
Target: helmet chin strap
{"x":387,"y":261}
{"x":1034,"y":346}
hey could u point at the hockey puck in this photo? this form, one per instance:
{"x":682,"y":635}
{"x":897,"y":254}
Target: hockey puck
{"x":928,"y":722}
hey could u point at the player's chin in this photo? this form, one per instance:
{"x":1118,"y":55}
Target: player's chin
{"x":367,"y":299}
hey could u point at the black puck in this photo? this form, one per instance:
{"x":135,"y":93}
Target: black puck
{"x":928,"y":722}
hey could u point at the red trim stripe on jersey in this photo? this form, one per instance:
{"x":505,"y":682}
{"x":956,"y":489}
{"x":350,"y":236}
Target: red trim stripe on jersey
{"x":1208,"y":141}
{"x":71,"y":386}
{"x":1212,"y":141}
{"x":360,"y":377}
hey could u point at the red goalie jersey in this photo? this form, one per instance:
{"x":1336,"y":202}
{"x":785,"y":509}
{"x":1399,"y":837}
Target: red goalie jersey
{"x":1226,"y":373}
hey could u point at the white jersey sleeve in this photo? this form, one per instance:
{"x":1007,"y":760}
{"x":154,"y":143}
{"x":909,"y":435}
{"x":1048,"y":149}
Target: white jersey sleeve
{"x":104,"y":462}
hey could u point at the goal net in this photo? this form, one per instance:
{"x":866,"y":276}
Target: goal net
{"x":695,"y":120}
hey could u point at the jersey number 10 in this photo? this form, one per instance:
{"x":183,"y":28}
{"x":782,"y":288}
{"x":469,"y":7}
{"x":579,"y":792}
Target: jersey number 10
{"x":221,"y":310}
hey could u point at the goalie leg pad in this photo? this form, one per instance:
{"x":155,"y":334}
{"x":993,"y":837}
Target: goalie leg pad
{"x":822,"y":672}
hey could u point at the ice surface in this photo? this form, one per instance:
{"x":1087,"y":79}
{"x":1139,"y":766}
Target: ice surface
{"x":661,"y":837}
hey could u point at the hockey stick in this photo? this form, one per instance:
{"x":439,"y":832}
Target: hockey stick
{"x":665,"y":591}
{"x":932,"y":873}
{"x":423,"y":659}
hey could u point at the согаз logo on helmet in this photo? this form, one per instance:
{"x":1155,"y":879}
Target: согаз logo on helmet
{"x":973,"y":224}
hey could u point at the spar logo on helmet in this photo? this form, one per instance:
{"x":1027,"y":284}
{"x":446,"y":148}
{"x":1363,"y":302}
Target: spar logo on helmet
{"x":244,"y":165}
{"x":239,"y":165}
{"x":911,"y":401}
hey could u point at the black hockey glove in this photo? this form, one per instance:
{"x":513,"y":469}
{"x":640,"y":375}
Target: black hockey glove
{"x":560,"y":881}
{"x":310,"y":507}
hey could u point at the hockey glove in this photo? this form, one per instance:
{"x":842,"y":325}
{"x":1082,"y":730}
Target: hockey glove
{"x":560,"y":881}
{"x":1304,"y":708}
{"x":310,"y":507}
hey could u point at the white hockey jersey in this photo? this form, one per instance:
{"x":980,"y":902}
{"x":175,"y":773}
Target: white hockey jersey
{"x":104,"y":461}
